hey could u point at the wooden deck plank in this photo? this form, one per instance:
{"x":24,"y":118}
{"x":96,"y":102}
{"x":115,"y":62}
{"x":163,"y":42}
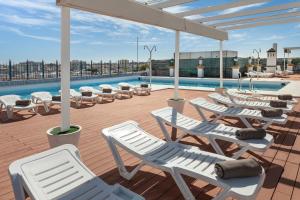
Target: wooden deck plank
{"x":27,"y":135}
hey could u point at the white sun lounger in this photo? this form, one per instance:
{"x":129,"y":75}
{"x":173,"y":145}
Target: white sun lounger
{"x":210,"y":130}
{"x":178,"y":160}
{"x":44,"y":98}
{"x":125,"y":92}
{"x":233,"y":102}
{"x":8,"y":102}
{"x":255,"y":97}
{"x":78,"y":98}
{"x":137,"y":89}
{"x":111,"y":95}
{"x":59,"y":174}
{"x":242,"y":113}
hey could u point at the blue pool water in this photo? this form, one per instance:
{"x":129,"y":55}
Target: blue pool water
{"x":53,"y":88}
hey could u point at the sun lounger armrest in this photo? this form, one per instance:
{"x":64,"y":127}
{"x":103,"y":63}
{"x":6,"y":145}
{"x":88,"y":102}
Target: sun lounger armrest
{"x":123,"y":193}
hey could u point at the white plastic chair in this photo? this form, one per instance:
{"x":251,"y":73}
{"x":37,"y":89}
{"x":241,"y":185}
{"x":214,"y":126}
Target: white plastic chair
{"x":242,"y":113}
{"x":178,"y":160}
{"x":210,"y":130}
{"x":60,"y":174}
{"x":44,"y":98}
{"x":8,"y":102}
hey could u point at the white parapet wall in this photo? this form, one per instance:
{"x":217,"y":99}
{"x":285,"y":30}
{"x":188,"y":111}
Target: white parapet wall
{"x":271,"y":69}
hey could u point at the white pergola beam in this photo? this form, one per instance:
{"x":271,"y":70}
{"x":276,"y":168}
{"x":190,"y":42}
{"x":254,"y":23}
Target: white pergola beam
{"x":251,"y":12}
{"x":170,"y":3}
{"x":268,"y":23}
{"x":254,"y":19}
{"x":134,"y":11}
{"x":219,"y":7}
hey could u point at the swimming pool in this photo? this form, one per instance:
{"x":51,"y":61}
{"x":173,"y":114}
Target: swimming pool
{"x":53,"y":88}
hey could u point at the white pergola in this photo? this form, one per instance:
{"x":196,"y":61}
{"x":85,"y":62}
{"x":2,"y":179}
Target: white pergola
{"x":154,"y":13}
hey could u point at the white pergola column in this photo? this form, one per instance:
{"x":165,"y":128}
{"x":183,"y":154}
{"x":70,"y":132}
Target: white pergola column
{"x":176,"y":70}
{"x":65,"y":68}
{"x":221,"y":64}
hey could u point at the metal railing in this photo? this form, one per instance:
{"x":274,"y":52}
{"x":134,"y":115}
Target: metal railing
{"x":30,"y":70}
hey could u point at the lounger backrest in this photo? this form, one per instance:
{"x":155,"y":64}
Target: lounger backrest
{"x":88,"y":89}
{"x":9,"y":100}
{"x":134,"y":139}
{"x":220,"y":98}
{"x":74,"y":93}
{"x":203,"y":103}
{"x":42,"y":95}
{"x":59,"y":174}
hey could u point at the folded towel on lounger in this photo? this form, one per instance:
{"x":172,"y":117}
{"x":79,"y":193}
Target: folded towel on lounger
{"x":238,"y":168}
{"x":144,"y":85}
{"x":250,"y":133}
{"x":285,"y":97}
{"x":106,"y":90}
{"x":278,"y":104}
{"x":23,"y":103}
{"x":271,"y":112}
{"x":86,"y":94}
{"x":125,"y":88}
{"x":56,"y":98}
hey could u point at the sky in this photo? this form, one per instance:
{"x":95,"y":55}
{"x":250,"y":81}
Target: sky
{"x":30,"y":29}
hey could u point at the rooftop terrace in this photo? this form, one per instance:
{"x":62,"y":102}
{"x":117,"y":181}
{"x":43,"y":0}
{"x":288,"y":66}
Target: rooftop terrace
{"x":26,"y":135}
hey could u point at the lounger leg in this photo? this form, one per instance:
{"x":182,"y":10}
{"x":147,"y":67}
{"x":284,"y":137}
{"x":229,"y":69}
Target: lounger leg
{"x":9,"y":112}
{"x":217,"y":118}
{"x":215,"y":145}
{"x":121,"y":167}
{"x":267,"y":125}
{"x":17,"y":187}
{"x":201,"y":113}
{"x":163,"y":129}
{"x":181,"y":184}
{"x":246,"y":123}
{"x":46,"y":107}
{"x":239,"y":153}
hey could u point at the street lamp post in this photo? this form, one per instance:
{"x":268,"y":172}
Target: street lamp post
{"x":150,"y":50}
{"x":258,"y":52}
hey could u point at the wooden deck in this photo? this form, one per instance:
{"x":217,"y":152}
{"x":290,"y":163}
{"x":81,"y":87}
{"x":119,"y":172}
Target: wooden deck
{"x":26,"y":135}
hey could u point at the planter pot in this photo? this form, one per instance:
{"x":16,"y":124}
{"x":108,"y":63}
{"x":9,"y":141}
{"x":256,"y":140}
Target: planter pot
{"x":70,"y":138}
{"x":178,"y":105}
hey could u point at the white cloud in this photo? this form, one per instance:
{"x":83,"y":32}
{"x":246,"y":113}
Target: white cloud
{"x":236,"y":9}
{"x":25,"y":21}
{"x":48,"y":6}
{"x":293,"y":9}
{"x":273,"y":37}
{"x":23,"y":34}
{"x":238,"y":36}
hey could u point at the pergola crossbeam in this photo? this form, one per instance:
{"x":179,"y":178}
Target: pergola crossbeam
{"x":170,"y":3}
{"x":145,"y":14}
{"x":219,"y":7}
{"x":268,"y":23}
{"x":255,"y":19}
{"x":251,"y":12}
